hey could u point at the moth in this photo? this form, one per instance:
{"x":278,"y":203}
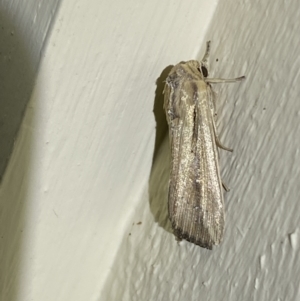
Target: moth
{"x":195,"y":200}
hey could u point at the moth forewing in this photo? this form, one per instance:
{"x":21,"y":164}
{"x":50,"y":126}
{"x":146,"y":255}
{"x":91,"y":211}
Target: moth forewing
{"x":196,"y":207}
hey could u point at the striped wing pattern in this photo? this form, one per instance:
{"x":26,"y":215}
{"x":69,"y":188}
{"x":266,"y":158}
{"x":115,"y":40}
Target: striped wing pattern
{"x":196,"y":207}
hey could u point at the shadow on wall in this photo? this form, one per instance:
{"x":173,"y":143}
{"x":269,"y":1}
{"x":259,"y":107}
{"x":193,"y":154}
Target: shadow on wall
{"x":17,"y":75}
{"x":20,"y":54}
{"x":159,"y":176}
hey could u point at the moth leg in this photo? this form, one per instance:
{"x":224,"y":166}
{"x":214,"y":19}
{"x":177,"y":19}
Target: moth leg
{"x":225,"y":187}
{"x":220,"y":145}
{"x":224,"y":80}
{"x":218,"y":142}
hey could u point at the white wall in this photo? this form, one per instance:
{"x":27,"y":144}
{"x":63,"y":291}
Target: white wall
{"x":91,"y":158}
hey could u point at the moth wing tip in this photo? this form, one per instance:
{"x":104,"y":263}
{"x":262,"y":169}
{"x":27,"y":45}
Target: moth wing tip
{"x":180,"y":235}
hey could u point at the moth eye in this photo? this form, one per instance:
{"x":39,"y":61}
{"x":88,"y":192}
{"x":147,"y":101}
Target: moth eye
{"x":204,"y":71}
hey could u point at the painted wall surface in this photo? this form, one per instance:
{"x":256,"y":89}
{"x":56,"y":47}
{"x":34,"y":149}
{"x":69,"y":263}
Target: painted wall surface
{"x":83,"y":200}
{"x":24,"y":26}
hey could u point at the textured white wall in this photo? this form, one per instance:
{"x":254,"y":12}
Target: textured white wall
{"x":89,"y":164}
